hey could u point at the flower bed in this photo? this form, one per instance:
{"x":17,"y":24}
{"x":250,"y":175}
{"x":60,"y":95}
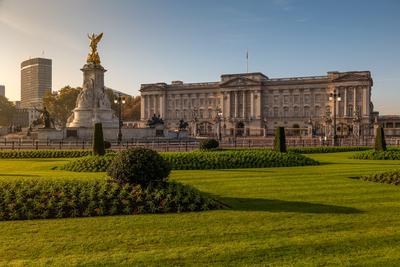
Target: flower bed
{"x":42,"y":199}
{"x":223,"y":159}
{"x":44,"y":154}
{"x":327,"y":149}
{"x":389,"y":177}
{"x":392,"y":154}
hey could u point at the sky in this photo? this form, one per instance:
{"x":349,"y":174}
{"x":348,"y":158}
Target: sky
{"x":148,"y":41}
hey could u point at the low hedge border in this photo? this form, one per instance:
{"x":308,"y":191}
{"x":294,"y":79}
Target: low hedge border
{"x":197,"y":160}
{"x":388,"y":177}
{"x":392,"y":154}
{"x":43,"y":199}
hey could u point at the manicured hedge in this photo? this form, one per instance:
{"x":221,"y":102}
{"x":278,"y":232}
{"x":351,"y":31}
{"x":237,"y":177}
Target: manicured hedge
{"x":389,"y":177}
{"x":224,"y":159}
{"x":44,"y":154}
{"x":42,"y":199}
{"x":392,"y":154}
{"x":327,"y":149}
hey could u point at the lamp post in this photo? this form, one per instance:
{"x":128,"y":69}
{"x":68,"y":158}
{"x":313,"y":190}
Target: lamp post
{"x":218,"y":119}
{"x":335,"y":96}
{"x":120,"y":101}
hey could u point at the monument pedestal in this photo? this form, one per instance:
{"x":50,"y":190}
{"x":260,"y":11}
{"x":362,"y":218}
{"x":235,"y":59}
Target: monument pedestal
{"x":49,"y":134}
{"x":92,"y":104}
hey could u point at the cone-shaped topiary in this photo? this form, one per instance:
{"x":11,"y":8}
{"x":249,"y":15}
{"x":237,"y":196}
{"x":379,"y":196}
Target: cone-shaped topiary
{"x":380,"y":143}
{"x":280,"y":140}
{"x":98,"y":141}
{"x":139,"y":166}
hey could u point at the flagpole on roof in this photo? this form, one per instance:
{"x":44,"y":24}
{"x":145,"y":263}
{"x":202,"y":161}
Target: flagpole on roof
{"x":247,"y":60}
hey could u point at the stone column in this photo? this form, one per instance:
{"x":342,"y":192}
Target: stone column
{"x":228,"y":105}
{"x":365,"y":101}
{"x":244,"y":104}
{"x":161,"y":98}
{"x":236,"y":104}
{"x":345,"y":103}
{"x":354,"y":98}
{"x":142,"y":108}
{"x":148,"y":98}
{"x":155,"y":103}
{"x":223,"y":109}
{"x":251,"y":104}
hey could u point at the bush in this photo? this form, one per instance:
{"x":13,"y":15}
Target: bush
{"x":280,"y":140}
{"x":380,"y":143}
{"x":43,"y":199}
{"x":389,"y":177}
{"x":327,"y":149}
{"x":208,"y":144}
{"x":98,"y":141}
{"x":15,"y":154}
{"x":224,"y":159}
{"x":139,"y":166}
{"x":107,"y":144}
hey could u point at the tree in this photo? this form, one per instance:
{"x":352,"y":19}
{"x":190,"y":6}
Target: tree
{"x":280,"y":140}
{"x":7,"y":111}
{"x":131,"y":108}
{"x":380,"y":143}
{"x":60,"y":104}
{"x":98,"y":140}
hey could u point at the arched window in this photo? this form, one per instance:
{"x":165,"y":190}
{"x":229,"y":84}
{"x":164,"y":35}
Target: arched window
{"x":276,"y":112}
{"x":306,"y":112}
{"x":285,"y":112}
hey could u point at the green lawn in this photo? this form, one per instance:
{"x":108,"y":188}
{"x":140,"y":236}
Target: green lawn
{"x":297,"y":216}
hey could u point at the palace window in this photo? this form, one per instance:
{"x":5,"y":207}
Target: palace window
{"x":350,"y":111}
{"x":285,"y":112}
{"x":306,"y":112}
{"x":307,"y":99}
{"x":276,"y":112}
{"x":286,"y":99}
{"x":317,"y":111}
{"x":276,"y":99}
{"x":296,"y":99}
{"x":296,"y":111}
{"x":318,"y":98}
{"x":201,"y":101}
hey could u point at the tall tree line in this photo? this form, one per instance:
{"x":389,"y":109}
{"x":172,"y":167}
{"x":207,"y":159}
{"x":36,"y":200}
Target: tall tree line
{"x":61,"y":104}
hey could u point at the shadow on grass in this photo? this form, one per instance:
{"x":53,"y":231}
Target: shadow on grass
{"x":275,"y":205}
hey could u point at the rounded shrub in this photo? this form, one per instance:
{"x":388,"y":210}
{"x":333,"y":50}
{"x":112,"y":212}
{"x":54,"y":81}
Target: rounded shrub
{"x":107,"y":144}
{"x":139,"y":166}
{"x":208,"y":144}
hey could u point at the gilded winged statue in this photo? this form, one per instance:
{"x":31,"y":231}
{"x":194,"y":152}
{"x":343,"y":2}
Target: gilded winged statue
{"x":93,"y":56}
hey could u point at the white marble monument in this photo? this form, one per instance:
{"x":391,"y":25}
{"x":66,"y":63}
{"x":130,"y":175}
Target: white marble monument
{"x":92,"y":104}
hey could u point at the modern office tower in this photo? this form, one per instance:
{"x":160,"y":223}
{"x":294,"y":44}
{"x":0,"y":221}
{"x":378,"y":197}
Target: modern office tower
{"x":2,"y":90}
{"x":35,"y":81}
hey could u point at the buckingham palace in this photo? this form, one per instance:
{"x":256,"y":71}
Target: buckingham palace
{"x":252,"y":104}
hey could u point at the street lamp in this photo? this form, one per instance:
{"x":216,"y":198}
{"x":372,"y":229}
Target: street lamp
{"x":335,"y":96}
{"x":218,"y":119}
{"x":120,"y":101}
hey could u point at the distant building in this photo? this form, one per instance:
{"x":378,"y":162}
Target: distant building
{"x":2,"y":90}
{"x":251,"y":104}
{"x":36,"y":80}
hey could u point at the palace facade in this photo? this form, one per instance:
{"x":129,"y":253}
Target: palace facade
{"x":251,"y":104}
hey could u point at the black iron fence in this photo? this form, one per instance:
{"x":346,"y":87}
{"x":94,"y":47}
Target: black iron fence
{"x":187,"y":145}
